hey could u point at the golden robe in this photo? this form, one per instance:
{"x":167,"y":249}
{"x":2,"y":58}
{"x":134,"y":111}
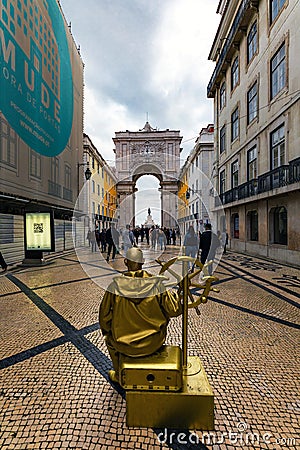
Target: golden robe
{"x":135,"y":311}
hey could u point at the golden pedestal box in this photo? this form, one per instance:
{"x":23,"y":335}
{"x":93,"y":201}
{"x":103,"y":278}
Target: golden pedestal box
{"x":190,"y":408}
{"x":161,"y":371}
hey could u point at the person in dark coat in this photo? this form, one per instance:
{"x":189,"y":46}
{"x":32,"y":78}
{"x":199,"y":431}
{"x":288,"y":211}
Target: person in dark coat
{"x":209,"y":243}
{"x":142,"y":233}
{"x":174,"y":236}
{"x":3,"y":263}
{"x":103,"y":240}
{"x":147,"y":232}
{"x":112,"y":240}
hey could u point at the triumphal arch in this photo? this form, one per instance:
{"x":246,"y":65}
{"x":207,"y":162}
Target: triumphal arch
{"x":148,"y":151}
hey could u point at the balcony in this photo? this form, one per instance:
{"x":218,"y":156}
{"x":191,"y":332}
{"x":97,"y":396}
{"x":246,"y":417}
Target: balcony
{"x":241,"y":19}
{"x":67,"y":194}
{"x":54,"y":189}
{"x":276,"y":178}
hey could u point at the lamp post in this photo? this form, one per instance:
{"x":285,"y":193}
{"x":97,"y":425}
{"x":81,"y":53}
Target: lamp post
{"x":87,"y":173}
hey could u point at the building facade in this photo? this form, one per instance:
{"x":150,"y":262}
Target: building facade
{"x":41,"y":121}
{"x":256,"y":92}
{"x":196,"y":200}
{"x":99,"y":194}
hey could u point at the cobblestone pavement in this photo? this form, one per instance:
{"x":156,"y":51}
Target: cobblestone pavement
{"x":54,"y":389}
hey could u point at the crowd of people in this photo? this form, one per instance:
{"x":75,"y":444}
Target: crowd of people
{"x":203,"y":245}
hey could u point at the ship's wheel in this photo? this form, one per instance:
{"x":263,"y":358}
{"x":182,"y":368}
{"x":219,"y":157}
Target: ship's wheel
{"x":186,"y":279}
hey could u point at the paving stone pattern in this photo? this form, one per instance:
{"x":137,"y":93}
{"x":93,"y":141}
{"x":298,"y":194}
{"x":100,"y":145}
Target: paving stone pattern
{"x":54,"y":388}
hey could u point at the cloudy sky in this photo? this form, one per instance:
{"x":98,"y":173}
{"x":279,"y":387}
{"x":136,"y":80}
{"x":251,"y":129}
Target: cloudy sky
{"x":144,"y":56}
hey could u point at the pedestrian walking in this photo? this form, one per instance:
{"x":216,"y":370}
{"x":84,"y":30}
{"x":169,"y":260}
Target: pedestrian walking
{"x":93,"y":240}
{"x":89,"y":236}
{"x":147,"y":232}
{"x":224,"y":240}
{"x":103,"y":240}
{"x":209,"y":243}
{"x":174,"y":236}
{"x":97,"y":233}
{"x":153,"y":237}
{"x":142,"y":233}
{"x":128,"y":238}
{"x":161,"y":239}
{"x":191,"y":242}
{"x":112,"y":239}
{"x":3,"y":263}
{"x":136,"y":234}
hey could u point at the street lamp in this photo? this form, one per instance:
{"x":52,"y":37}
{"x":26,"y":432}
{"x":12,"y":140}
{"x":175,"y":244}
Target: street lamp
{"x":87,"y":172}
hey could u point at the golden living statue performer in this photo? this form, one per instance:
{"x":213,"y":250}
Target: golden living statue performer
{"x":135,"y":312}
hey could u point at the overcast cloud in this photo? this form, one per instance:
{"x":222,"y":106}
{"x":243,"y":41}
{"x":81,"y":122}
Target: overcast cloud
{"x":144,"y":56}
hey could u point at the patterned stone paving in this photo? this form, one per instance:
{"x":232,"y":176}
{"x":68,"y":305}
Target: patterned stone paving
{"x":54,"y":389}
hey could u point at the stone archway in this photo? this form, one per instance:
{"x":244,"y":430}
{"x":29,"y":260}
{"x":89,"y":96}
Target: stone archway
{"x":147,"y":152}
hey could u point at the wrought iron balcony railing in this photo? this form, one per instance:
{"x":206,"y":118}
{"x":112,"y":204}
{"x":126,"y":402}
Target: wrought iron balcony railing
{"x":54,"y":189}
{"x":67,"y":194}
{"x":276,"y":178}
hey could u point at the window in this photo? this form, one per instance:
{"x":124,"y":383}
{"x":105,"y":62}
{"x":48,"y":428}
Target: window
{"x":223,"y":139}
{"x":252,"y":42}
{"x":252,"y":103}
{"x":98,"y":189}
{"x":234,"y":174}
{"x":8,"y":144}
{"x":223,"y":95}
{"x":93,"y":163}
{"x":93,"y":187}
{"x":278,"y":225}
{"x":235,"y":73}
{"x":278,"y":75}
{"x":275,"y":8}
{"x":235,"y":124}
{"x":252,"y":222}
{"x":222,"y":182}
{"x":35,"y":164}
{"x":68,"y":176}
{"x":54,"y":170}
{"x":277,"y":147}
{"x":252,"y":164}
{"x":235,"y":226}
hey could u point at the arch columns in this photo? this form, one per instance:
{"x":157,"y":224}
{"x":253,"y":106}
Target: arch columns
{"x":169,"y":203}
{"x":126,"y":201}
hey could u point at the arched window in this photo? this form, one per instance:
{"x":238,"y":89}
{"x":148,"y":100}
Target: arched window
{"x":278,"y":225}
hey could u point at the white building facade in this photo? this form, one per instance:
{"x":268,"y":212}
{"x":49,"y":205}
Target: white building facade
{"x":196,"y":203}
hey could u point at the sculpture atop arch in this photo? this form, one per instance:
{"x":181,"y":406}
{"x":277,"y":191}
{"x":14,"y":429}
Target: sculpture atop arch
{"x":148,"y":151}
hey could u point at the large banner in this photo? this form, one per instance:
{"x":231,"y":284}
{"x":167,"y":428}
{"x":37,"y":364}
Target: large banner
{"x":36,"y":88}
